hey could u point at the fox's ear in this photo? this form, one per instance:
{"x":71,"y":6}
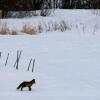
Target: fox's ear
{"x":34,"y":79}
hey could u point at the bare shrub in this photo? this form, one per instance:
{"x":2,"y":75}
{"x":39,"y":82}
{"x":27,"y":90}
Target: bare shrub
{"x":28,"y":29}
{"x":53,"y":26}
{"x":40,"y":28}
{"x":45,"y":9}
{"x":96,"y":12}
{"x":63,"y":26}
{"x":4,"y":29}
{"x":45,"y":12}
{"x":48,"y":28}
{"x":32,"y":30}
{"x":13,"y":32}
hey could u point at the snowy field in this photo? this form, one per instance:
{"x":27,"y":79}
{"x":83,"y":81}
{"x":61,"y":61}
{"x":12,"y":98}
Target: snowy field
{"x":67,"y":63}
{"x":82,"y":22}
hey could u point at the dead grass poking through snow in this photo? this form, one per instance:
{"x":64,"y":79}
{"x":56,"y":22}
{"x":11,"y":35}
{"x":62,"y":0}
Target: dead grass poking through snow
{"x":28,"y":29}
{"x":33,"y":30}
{"x":4,"y":29}
{"x":13,"y":32}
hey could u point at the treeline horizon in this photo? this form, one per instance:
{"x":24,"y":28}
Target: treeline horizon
{"x":49,"y":4}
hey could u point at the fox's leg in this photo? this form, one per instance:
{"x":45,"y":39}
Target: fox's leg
{"x":29,"y":88}
{"x":21,"y":88}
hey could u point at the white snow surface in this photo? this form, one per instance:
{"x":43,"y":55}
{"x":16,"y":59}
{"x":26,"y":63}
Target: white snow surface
{"x":67,"y":63}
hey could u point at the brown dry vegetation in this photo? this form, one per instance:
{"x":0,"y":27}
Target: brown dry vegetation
{"x":28,"y":29}
{"x":33,"y":30}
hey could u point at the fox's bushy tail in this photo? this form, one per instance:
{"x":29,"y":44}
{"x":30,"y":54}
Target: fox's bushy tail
{"x":19,"y":87}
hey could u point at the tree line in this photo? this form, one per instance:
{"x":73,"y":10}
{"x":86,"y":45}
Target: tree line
{"x":40,"y":4}
{"x":44,"y":5}
{"x":64,"y":4}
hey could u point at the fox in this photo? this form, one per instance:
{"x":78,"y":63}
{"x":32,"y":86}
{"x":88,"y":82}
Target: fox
{"x":26,"y":84}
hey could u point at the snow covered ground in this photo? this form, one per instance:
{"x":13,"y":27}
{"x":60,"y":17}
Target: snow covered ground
{"x":67,"y":63}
